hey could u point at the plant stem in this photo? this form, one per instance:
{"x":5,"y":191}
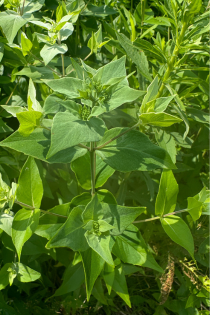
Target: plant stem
{"x":44,"y":211}
{"x":62,"y":56}
{"x":165,"y":215}
{"x":92,"y":167}
{"x":83,"y":146}
{"x":173,"y":58}
{"x":120,"y":135}
{"x":23,"y":7}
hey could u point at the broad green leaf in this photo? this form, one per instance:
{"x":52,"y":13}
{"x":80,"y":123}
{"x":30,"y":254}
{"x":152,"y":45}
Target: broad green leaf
{"x":194,"y":208}
{"x":132,"y":151}
{"x":93,"y":264}
{"x":152,"y":91}
{"x":26,"y":44}
{"x":26,"y":274}
{"x":72,"y":279}
{"x":68,"y":131}
{"x":159,"y":119}
{"x":37,"y":144}
{"x":179,"y":232}
{"x":67,"y":86}
{"x":13,"y":110}
{"x":198,"y":115}
{"x":100,"y":244}
{"x":54,"y":104}
{"x":32,"y":97}
{"x":71,"y":234}
{"x":48,"y":52}
{"x":66,"y":31}
{"x":4,"y":275}
{"x":28,"y":120}
{"x":108,"y":276}
{"x":167,"y":142}
{"x":128,"y":247}
{"x":24,"y":225}
{"x":167,"y":194}
{"x":117,"y":216}
{"x":37,"y":73}
{"x":11,"y":22}
{"x":48,"y":230}
{"x":6,"y":223}
{"x":136,"y":56}
{"x":98,"y":11}
{"x":162,"y":103}
{"x":98,"y":292}
{"x":102,"y":172}
{"x":30,"y":190}
{"x":33,"y":5}
{"x":120,"y":285}
{"x":149,"y":49}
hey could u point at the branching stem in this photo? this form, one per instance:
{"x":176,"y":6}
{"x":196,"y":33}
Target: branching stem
{"x":165,"y":215}
{"x":92,"y":167}
{"x":120,"y":135}
{"x":44,"y":211}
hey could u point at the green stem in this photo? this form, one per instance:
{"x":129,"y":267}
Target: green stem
{"x":92,"y":167}
{"x":173,"y":58}
{"x":44,"y":211}
{"x":165,"y":215}
{"x":120,"y":135}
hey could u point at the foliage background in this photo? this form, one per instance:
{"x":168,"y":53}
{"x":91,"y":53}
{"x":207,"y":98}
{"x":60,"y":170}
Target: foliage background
{"x":147,"y":33}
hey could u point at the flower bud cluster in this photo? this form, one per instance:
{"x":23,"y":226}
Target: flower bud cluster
{"x":85,"y":112}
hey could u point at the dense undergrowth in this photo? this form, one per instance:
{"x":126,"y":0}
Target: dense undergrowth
{"x":104,"y":157}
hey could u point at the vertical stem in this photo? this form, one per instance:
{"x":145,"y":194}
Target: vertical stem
{"x":62,"y":56}
{"x":173,"y":58}
{"x":92,"y":166}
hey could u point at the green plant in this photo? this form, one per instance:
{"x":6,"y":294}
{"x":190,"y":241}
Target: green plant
{"x":106,"y":173}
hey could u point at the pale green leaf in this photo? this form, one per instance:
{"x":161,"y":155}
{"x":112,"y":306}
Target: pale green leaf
{"x":4,"y":275}
{"x":30,"y":190}
{"x":48,"y":52}
{"x":71,"y":234}
{"x":120,"y":285}
{"x":167,"y":194}
{"x":159,"y":119}
{"x":28,"y":120}
{"x":66,"y":86}
{"x":24,"y":225}
{"x":68,"y":131}
{"x":26,"y":44}
{"x":132,"y":151}
{"x":93,"y":264}
{"x":179,"y":232}
{"x":26,"y":274}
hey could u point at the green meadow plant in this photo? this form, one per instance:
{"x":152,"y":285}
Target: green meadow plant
{"x":104,"y":157}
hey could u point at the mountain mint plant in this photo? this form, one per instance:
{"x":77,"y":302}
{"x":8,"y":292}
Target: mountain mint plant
{"x":103,"y":163}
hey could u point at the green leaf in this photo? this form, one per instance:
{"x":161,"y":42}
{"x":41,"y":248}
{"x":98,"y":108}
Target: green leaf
{"x":128,"y":247}
{"x":48,"y":52}
{"x":198,"y":115}
{"x":68,"y":131}
{"x":72,"y":279}
{"x":54,"y":104}
{"x":136,"y":56}
{"x":71,"y":234}
{"x":67,"y":86}
{"x":37,"y":144}
{"x":4,"y":275}
{"x":118,"y":216}
{"x":108,"y":276}
{"x":6,"y":223}
{"x":149,"y":50}
{"x":102,"y":172}
{"x":48,"y":230}
{"x":1,"y":51}
{"x":11,"y":22}
{"x":120,"y":285}
{"x":26,"y":44}
{"x":167,"y":194}
{"x":13,"y":110}
{"x":159,"y":119}
{"x":29,"y":120}
{"x":30,"y":190}
{"x":179,"y":232}
{"x":26,"y":274}
{"x":4,"y":128}
{"x":98,"y":292}
{"x":194,"y":208}
{"x":100,"y":244}
{"x":132,"y":151}
{"x":166,"y":141}
{"x":33,"y":5}
{"x":24,"y":225}
{"x":162,"y":103}
{"x":93,"y":264}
